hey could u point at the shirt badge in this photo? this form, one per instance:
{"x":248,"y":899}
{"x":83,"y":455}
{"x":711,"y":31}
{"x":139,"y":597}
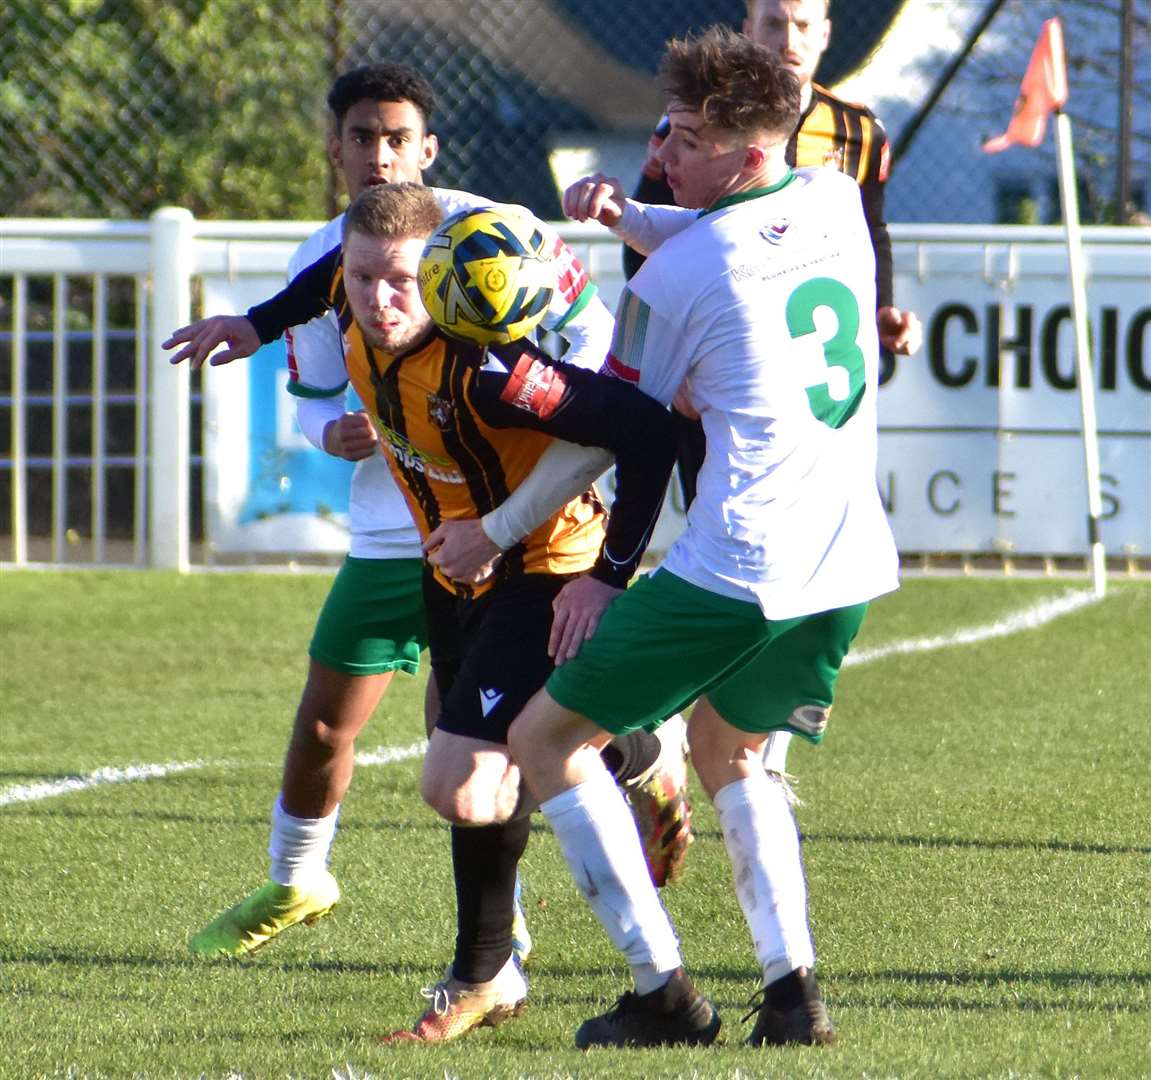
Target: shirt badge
{"x":773,"y":231}
{"x":440,"y":412}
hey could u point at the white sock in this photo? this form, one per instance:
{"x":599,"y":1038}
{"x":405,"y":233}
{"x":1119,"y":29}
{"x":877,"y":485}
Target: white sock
{"x":299,"y":846}
{"x":763,"y":843}
{"x":602,"y":848}
{"x":775,"y":751}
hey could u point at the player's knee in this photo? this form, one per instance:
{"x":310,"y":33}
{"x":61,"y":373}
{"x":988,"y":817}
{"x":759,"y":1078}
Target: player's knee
{"x":466,"y":804}
{"x":321,"y":737}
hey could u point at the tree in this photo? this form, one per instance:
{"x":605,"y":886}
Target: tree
{"x":116,"y":107}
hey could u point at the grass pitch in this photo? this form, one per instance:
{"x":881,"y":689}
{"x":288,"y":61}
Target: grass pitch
{"x":976,"y":829}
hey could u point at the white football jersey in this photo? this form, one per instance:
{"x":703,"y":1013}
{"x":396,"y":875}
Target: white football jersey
{"x":380,"y":524}
{"x":766,"y":305}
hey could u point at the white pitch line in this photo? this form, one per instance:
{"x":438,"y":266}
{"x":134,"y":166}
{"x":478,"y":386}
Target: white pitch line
{"x":386,"y":755}
{"x":1027,"y":619}
{"x":109,"y":774}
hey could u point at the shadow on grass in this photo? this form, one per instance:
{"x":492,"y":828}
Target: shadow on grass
{"x":213,"y":819}
{"x":1070,"y":847}
{"x":932,"y":990}
{"x":73,"y":957}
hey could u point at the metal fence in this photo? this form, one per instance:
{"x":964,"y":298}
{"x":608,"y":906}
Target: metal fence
{"x":116,"y":107}
{"x":110,"y":455}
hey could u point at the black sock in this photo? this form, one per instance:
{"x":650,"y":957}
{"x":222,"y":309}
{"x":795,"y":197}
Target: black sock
{"x":629,"y":756}
{"x":484,"y":861}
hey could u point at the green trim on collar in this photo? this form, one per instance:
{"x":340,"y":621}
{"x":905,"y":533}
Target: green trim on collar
{"x":754,"y":193}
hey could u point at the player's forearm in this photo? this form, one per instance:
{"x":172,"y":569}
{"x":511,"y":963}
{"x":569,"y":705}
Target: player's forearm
{"x":304,"y":298}
{"x":563,"y":472}
{"x":873,"y":199}
{"x":315,"y":414}
{"x":529,"y":390}
{"x":644,"y":227}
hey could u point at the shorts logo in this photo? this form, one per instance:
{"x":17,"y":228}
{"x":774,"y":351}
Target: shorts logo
{"x":534,"y":387}
{"x":810,"y":719}
{"x":489,"y":699}
{"x":440,"y":412}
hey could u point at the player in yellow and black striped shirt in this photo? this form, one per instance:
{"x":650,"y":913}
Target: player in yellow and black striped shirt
{"x":460,"y":427}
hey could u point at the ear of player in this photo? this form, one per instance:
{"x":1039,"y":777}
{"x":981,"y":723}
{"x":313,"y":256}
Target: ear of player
{"x":487,"y":276}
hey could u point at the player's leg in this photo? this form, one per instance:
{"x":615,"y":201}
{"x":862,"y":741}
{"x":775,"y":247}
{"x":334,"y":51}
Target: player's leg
{"x":622,"y":678}
{"x":371,"y":625}
{"x":484,"y":663}
{"x":789,"y":686}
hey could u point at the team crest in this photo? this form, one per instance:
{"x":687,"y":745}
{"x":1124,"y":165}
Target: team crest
{"x":773,"y":231}
{"x":440,"y":412}
{"x":834,"y":159}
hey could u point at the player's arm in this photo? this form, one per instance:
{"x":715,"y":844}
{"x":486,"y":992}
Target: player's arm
{"x":601,"y":198}
{"x":304,"y":298}
{"x":899,"y":330}
{"x":652,"y":188}
{"x":463,"y":547}
{"x":520,"y":387}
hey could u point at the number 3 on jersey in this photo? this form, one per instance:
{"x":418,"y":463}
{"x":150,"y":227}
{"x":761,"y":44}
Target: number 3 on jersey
{"x":839,"y":351}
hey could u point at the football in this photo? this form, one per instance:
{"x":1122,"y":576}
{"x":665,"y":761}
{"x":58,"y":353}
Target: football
{"x":487,"y":276}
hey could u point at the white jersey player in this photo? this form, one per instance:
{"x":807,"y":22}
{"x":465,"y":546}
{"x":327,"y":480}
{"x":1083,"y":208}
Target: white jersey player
{"x":763,"y":303}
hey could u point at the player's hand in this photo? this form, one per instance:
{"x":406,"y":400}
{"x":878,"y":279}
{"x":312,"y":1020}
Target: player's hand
{"x":200,"y":338}
{"x":577,"y":610}
{"x":682,"y":402}
{"x":899,"y":331}
{"x":462,"y":551}
{"x":352,"y":437}
{"x":595,"y":198}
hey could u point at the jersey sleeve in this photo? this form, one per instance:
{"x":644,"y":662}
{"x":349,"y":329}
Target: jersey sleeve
{"x":518,"y":386}
{"x":644,"y":227}
{"x":304,"y":298}
{"x":872,"y":190}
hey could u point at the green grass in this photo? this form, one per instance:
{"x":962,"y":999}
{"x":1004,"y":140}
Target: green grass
{"x":976,"y":828}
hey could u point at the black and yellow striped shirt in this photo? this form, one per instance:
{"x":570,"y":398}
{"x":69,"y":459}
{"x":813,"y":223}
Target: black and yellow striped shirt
{"x":462,"y":426}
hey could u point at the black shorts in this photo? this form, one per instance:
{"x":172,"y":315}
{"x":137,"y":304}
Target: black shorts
{"x":490,"y":655}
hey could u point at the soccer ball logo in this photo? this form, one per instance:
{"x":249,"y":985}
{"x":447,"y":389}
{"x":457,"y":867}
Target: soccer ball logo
{"x":487,"y":276}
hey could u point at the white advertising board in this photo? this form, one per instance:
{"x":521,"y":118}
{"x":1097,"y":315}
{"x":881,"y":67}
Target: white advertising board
{"x":979,"y":446}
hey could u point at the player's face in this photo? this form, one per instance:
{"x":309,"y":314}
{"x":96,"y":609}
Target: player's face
{"x":380,"y":278}
{"x":702,"y":164}
{"x":381,"y":142}
{"x":798,"y":30}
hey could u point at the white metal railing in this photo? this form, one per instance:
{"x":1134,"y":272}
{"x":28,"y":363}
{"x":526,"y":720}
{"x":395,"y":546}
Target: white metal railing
{"x":164,"y":256}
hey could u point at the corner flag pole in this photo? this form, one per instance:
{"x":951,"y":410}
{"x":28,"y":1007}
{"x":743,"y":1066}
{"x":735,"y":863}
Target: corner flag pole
{"x":1077,"y":272}
{"x":1043,"y":92}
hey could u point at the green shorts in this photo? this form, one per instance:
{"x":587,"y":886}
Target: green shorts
{"x":666,"y":642}
{"x":373,"y":618}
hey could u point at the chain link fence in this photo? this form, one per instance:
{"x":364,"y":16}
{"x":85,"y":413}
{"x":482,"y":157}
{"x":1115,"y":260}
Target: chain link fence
{"x":115,"y":107}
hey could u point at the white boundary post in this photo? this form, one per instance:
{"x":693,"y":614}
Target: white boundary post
{"x":168,"y":512}
{"x":1077,"y":273}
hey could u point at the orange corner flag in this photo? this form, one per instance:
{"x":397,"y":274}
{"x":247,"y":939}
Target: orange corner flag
{"x":1044,"y":90}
